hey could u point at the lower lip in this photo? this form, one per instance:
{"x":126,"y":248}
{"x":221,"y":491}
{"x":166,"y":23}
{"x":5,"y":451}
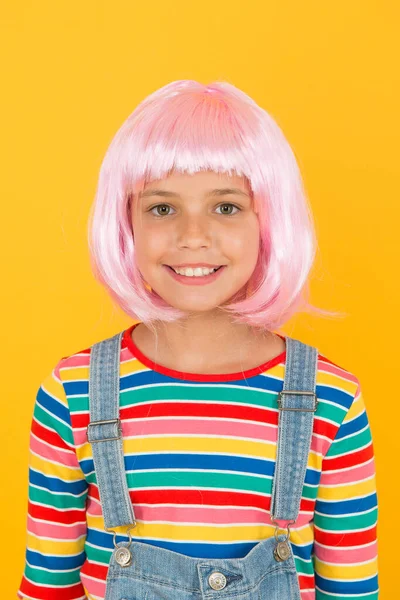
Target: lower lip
{"x":203,"y":280}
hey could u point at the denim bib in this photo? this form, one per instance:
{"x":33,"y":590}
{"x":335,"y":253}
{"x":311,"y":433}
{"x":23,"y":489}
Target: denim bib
{"x":140,"y":571}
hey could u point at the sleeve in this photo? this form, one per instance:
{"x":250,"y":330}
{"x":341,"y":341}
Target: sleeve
{"x":57,"y":491}
{"x":346,"y":512}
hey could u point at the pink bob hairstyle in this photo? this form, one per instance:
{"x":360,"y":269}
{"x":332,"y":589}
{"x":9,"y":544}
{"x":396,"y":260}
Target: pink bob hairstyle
{"x":186,"y":127}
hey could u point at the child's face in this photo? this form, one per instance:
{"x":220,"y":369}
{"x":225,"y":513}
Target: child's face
{"x":192,"y":227}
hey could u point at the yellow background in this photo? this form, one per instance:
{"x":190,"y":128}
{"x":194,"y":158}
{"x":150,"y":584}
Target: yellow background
{"x":71,"y":74}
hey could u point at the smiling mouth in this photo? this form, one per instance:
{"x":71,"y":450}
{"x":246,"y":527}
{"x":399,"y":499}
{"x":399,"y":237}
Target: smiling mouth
{"x":215,"y":268}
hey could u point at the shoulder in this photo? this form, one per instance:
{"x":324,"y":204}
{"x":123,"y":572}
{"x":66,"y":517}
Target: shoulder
{"x":337,"y":388}
{"x":73,"y":369}
{"x":333,"y":377}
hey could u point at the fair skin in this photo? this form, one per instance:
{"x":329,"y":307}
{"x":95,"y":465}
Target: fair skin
{"x":187,"y":224}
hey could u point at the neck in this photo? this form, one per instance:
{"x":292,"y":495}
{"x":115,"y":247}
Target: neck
{"x":201,"y":340}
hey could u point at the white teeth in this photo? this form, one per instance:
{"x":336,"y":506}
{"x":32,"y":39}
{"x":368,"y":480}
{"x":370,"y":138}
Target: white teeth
{"x":196,"y":272}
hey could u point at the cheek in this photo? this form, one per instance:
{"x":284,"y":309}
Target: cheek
{"x":150,"y":247}
{"x":244,"y":243}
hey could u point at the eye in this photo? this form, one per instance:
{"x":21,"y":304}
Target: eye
{"x":229,"y":204}
{"x":157,"y":206}
{"x":167,"y":206}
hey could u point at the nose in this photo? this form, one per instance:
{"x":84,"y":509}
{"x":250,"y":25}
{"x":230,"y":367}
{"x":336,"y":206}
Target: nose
{"x":195,"y":232}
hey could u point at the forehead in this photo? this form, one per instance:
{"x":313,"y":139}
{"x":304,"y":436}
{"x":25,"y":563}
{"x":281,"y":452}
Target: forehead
{"x":200,"y":181}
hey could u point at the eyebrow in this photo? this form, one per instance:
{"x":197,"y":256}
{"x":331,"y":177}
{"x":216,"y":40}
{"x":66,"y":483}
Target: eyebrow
{"x":215,"y":192}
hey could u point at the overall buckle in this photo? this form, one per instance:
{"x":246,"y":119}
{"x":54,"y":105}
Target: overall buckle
{"x":307,"y":393}
{"x":108,"y":430}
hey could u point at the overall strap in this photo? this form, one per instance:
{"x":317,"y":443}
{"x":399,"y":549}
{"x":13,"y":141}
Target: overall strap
{"x":297,"y":403}
{"x":105,"y":435}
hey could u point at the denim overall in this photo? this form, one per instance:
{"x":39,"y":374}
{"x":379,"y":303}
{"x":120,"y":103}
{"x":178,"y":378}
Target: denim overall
{"x":141,"y":571}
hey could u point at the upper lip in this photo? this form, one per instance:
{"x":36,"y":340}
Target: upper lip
{"x":194,"y":265}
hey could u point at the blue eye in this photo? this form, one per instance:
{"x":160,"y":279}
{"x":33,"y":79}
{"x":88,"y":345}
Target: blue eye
{"x":167,"y":206}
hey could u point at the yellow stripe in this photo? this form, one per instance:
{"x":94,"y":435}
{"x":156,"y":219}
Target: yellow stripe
{"x":355,"y":409}
{"x":330,"y":379}
{"x":58,"y":548}
{"x":348,"y":490}
{"x":55,"y":388}
{"x":204,"y":445}
{"x":192,"y":444}
{"x":63,"y":472}
{"x":350,"y":572}
{"x":228,"y":533}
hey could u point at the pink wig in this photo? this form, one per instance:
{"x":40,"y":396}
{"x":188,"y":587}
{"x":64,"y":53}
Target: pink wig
{"x":186,"y":126}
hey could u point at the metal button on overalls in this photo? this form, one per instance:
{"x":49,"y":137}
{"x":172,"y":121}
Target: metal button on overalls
{"x":217,"y":581}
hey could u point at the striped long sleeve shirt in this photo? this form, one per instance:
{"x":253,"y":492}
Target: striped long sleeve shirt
{"x":199,"y":452}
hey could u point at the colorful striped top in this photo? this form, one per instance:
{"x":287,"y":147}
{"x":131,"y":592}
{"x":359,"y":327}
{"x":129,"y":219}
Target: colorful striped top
{"x":199,"y":457}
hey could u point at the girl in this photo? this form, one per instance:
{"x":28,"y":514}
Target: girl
{"x":199,"y":454}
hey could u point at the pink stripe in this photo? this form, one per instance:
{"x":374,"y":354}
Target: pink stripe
{"x":207,"y":515}
{"x":64,"y":457}
{"x":307,"y":595}
{"x":56,"y":532}
{"x":348,"y":475}
{"x":83,"y":360}
{"x":94,"y":586}
{"x":152,"y":427}
{"x":76,"y":360}
{"x":320,"y":445}
{"x":211,"y":426}
{"x":336,"y":370}
{"x":182,"y":427}
{"x":350,"y":556}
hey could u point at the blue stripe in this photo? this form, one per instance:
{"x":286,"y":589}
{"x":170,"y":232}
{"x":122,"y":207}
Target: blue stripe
{"x":303,"y":552}
{"x":220,"y":462}
{"x":55,"y":563}
{"x":76,"y":388}
{"x":339,"y":397}
{"x":346,"y":507}
{"x":53,"y":484}
{"x":53,"y":406}
{"x":263,"y":382}
{"x":336,"y":587}
{"x":355,"y":425}
{"x":195,"y":550}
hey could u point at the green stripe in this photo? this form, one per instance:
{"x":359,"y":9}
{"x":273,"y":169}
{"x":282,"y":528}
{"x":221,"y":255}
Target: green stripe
{"x":322,"y":596}
{"x":96,"y":555}
{"x":303,"y":566}
{"x":46,"y":419}
{"x":215,"y":393}
{"x":349,"y":444}
{"x":173,"y":479}
{"x":41,"y":577}
{"x":56,"y":499}
{"x":78,"y":404}
{"x":347,"y":523}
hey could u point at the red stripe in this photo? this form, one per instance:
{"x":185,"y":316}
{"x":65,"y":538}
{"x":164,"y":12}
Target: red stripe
{"x":324,"y":428}
{"x":188,"y":409}
{"x":42,"y":593}
{"x":352,"y":538}
{"x":213,"y":498}
{"x":49,"y":436}
{"x":221,"y":411}
{"x":306,"y":582}
{"x":66,"y":517}
{"x":348,"y":460}
{"x":94,"y":570}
